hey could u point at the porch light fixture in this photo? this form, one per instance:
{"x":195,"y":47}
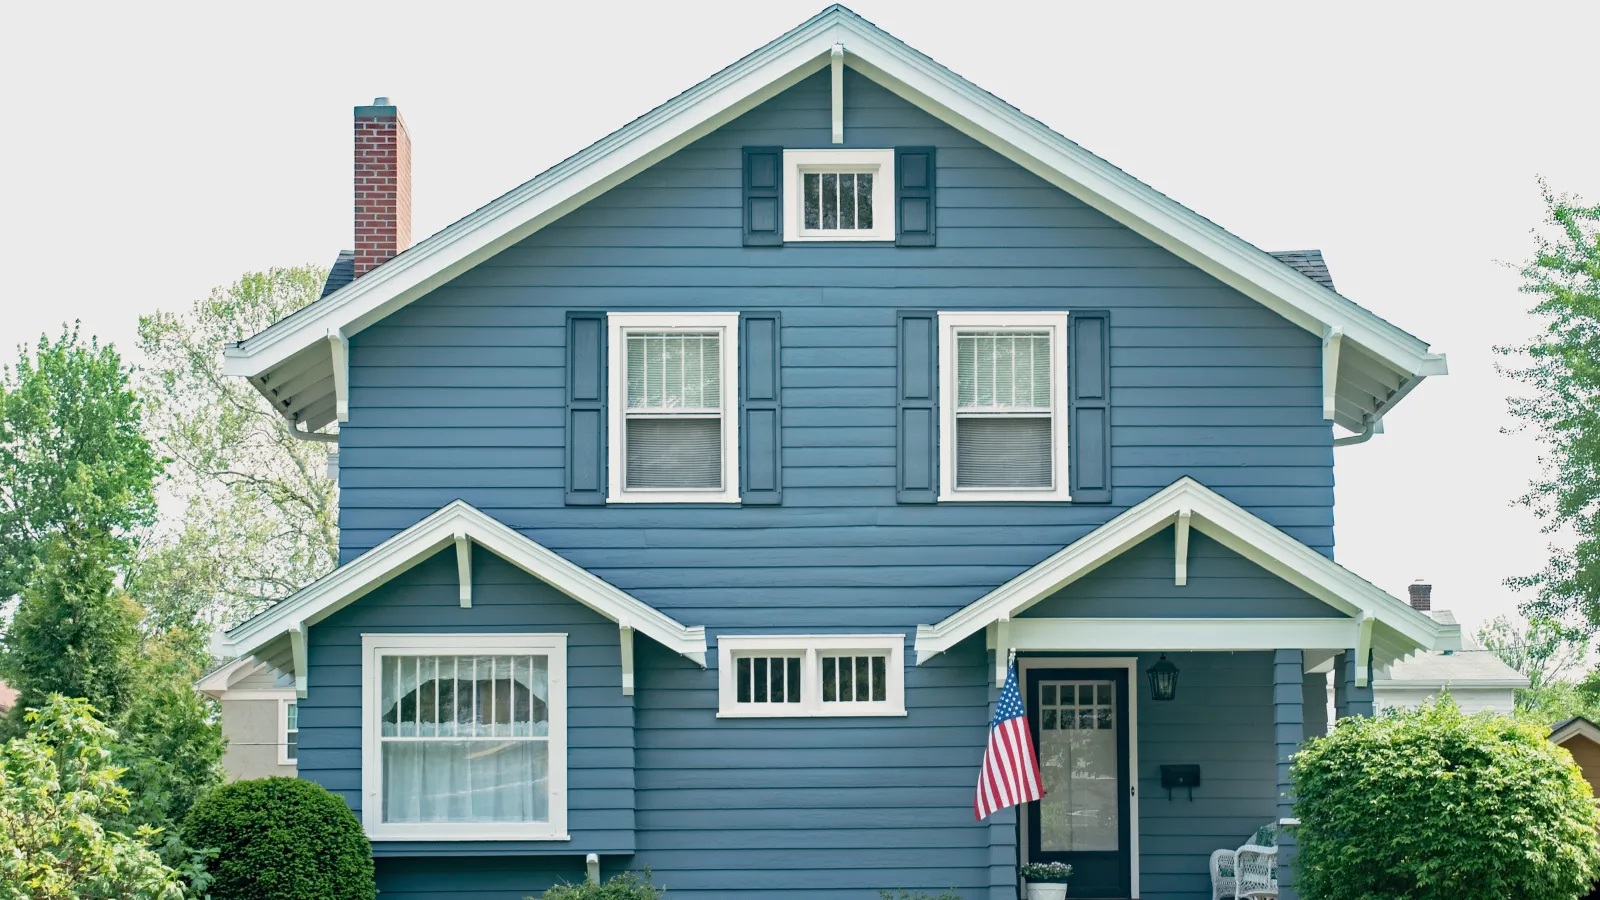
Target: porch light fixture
{"x":1163,"y":679}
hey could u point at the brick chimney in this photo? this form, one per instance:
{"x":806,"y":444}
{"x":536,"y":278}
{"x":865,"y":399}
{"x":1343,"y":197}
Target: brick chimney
{"x":1421,"y":595}
{"x":383,"y":185}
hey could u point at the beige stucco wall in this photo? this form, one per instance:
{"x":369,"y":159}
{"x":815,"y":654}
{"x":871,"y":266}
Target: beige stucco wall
{"x":251,"y":727}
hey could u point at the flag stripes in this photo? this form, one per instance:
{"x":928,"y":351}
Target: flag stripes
{"x":1010,"y":773}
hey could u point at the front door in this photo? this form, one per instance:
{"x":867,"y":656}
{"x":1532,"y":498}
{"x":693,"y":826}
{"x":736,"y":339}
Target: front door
{"x":1079,"y":723}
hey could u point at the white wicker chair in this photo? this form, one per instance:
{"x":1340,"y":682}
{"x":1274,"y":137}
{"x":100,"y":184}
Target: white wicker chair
{"x":1250,"y":871}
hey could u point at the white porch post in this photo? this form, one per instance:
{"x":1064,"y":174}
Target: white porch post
{"x":1288,"y":687}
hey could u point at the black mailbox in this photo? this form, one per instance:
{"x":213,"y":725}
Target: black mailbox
{"x":1180,"y":777}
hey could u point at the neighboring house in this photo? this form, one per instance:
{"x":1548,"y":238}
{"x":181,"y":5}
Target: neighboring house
{"x":1476,"y":678}
{"x":259,"y":718}
{"x":1581,"y":738}
{"x":694,"y":493}
{"x":8,"y":698}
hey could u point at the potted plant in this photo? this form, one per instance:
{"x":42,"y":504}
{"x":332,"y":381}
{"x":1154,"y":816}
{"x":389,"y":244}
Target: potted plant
{"x":1046,"y":881}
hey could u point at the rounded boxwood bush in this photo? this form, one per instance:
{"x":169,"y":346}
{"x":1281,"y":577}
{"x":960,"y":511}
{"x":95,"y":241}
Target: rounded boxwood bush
{"x":1432,"y":804}
{"x":281,"y":839}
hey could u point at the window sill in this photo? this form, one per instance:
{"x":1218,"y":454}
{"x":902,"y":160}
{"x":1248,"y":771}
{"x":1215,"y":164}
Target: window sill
{"x":873,"y":238}
{"x":885,"y":712}
{"x":668,"y":498}
{"x":478,"y":831}
{"x":1005,"y":497}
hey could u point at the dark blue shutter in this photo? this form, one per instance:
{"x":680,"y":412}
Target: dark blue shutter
{"x":763,"y":196}
{"x":914,"y":172}
{"x":1089,"y":407}
{"x":917,"y":408}
{"x":586,"y":408}
{"x":760,"y":410}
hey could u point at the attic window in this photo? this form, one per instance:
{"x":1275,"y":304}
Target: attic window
{"x":838,"y":195}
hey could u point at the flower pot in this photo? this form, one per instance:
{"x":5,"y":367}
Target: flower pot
{"x":1042,"y":891}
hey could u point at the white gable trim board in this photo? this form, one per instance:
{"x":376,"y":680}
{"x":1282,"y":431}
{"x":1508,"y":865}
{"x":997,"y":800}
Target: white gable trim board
{"x":297,"y":362}
{"x":1372,"y":623}
{"x":457,"y":524}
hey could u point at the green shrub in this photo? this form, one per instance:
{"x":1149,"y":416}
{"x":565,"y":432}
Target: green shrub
{"x":282,"y":839}
{"x":919,"y":895}
{"x":1431,"y":804}
{"x":626,"y":886}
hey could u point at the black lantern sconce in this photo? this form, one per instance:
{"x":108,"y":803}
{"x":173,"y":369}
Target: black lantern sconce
{"x":1163,"y":679}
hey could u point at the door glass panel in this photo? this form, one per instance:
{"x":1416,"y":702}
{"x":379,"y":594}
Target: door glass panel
{"x":1078,"y":764}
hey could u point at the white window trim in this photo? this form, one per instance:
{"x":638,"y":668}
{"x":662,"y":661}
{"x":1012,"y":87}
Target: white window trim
{"x":879,"y":162}
{"x":617,"y":325}
{"x":553,"y":646}
{"x":949,"y":324}
{"x":283,"y":732}
{"x":811,"y":646}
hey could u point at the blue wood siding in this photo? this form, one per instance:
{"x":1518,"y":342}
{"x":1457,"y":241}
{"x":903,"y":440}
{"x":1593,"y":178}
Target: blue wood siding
{"x":600,"y":719}
{"x":463,"y":394}
{"x":1141,"y":584}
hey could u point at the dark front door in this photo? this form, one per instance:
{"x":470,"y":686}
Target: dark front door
{"x":1079,"y":720}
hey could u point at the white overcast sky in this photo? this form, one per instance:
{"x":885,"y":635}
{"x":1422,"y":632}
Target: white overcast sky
{"x":150,"y":151}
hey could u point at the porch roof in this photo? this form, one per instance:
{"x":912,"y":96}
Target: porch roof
{"x":1363,"y":617}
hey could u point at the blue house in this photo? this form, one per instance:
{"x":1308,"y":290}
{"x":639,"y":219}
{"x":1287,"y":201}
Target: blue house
{"x":695,"y":494}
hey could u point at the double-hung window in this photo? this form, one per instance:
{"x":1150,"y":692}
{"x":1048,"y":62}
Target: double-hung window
{"x":289,"y":726}
{"x":811,"y":675}
{"x":674,"y":389}
{"x":838,"y":195}
{"x":1003,"y":390}
{"x":464,"y":737}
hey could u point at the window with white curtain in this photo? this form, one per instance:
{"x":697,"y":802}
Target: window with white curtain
{"x":838,"y":194}
{"x":811,"y":675}
{"x":289,"y":726}
{"x":464,"y":737}
{"x":1003,"y":431}
{"x":674,"y":407}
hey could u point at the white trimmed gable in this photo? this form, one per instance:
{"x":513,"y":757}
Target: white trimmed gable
{"x":276,"y":636}
{"x":300,"y":363}
{"x":1390,"y":628}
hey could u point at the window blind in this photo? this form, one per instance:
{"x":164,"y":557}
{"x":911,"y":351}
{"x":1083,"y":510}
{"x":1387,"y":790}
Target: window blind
{"x":674,"y":424}
{"x":1003,"y":410}
{"x":676,"y":452}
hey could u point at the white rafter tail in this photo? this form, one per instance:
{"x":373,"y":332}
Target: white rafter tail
{"x":1363,"y":648}
{"x":1331,"y":341}
{"x":1180,"y":543}
{"x":837,"y":64}
{"x":1002,"y":644}
{"x":339,"y":347}
{"x":625,"y":639}
{"x":297,"y":650}
{"x":464,"y":567}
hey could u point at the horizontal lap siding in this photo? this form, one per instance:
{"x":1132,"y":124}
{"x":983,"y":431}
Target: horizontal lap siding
{"x":426,"y":599}
{"x":461,"y":395}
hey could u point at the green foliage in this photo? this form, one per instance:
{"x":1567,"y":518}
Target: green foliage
{"x":57,"y":788}
{"x":626,"y":886}
{"x":260,"y":516}
{"x":282,"y":839}
{"x":1047,"y":872}
{"x":74,"y":632}
{"x":918,"y":895}
{"x":1543,"y":651}
{"x":171,"y":736}
{"x":72,"y":453}
{"x":1430,"y":804}
{"x":1562,"y":367}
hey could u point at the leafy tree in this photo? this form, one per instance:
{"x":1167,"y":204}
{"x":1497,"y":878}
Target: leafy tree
{"x":261,"y":515}
{"x":72,"y":453}
{"x":1562,"y":367}
{"x":1431,"y":804}
{"x":75,"y":632}
{"x":57,"y":788}
{"x":171,"y":736}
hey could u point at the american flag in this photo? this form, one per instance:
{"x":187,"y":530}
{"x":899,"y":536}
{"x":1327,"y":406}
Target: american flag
{"x":1010,"y":770}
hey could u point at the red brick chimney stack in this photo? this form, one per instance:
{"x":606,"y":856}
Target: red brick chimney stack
{"x":383,"y":185}
{"x":1421,"y":595}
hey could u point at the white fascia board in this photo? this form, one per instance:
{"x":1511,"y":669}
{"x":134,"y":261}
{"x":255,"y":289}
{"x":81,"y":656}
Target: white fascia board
{"x":1228,"y":524}
{"x":765,"y":73}
{"x":1573,"y":728}
{"x":349,"y":582}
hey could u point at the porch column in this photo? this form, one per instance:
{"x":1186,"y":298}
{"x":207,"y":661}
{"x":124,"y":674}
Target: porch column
{"x":1288,"y":718}
{"x":1314,"y":700}
{"x":1350,"y":700}
{"x":1001,"y":826}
